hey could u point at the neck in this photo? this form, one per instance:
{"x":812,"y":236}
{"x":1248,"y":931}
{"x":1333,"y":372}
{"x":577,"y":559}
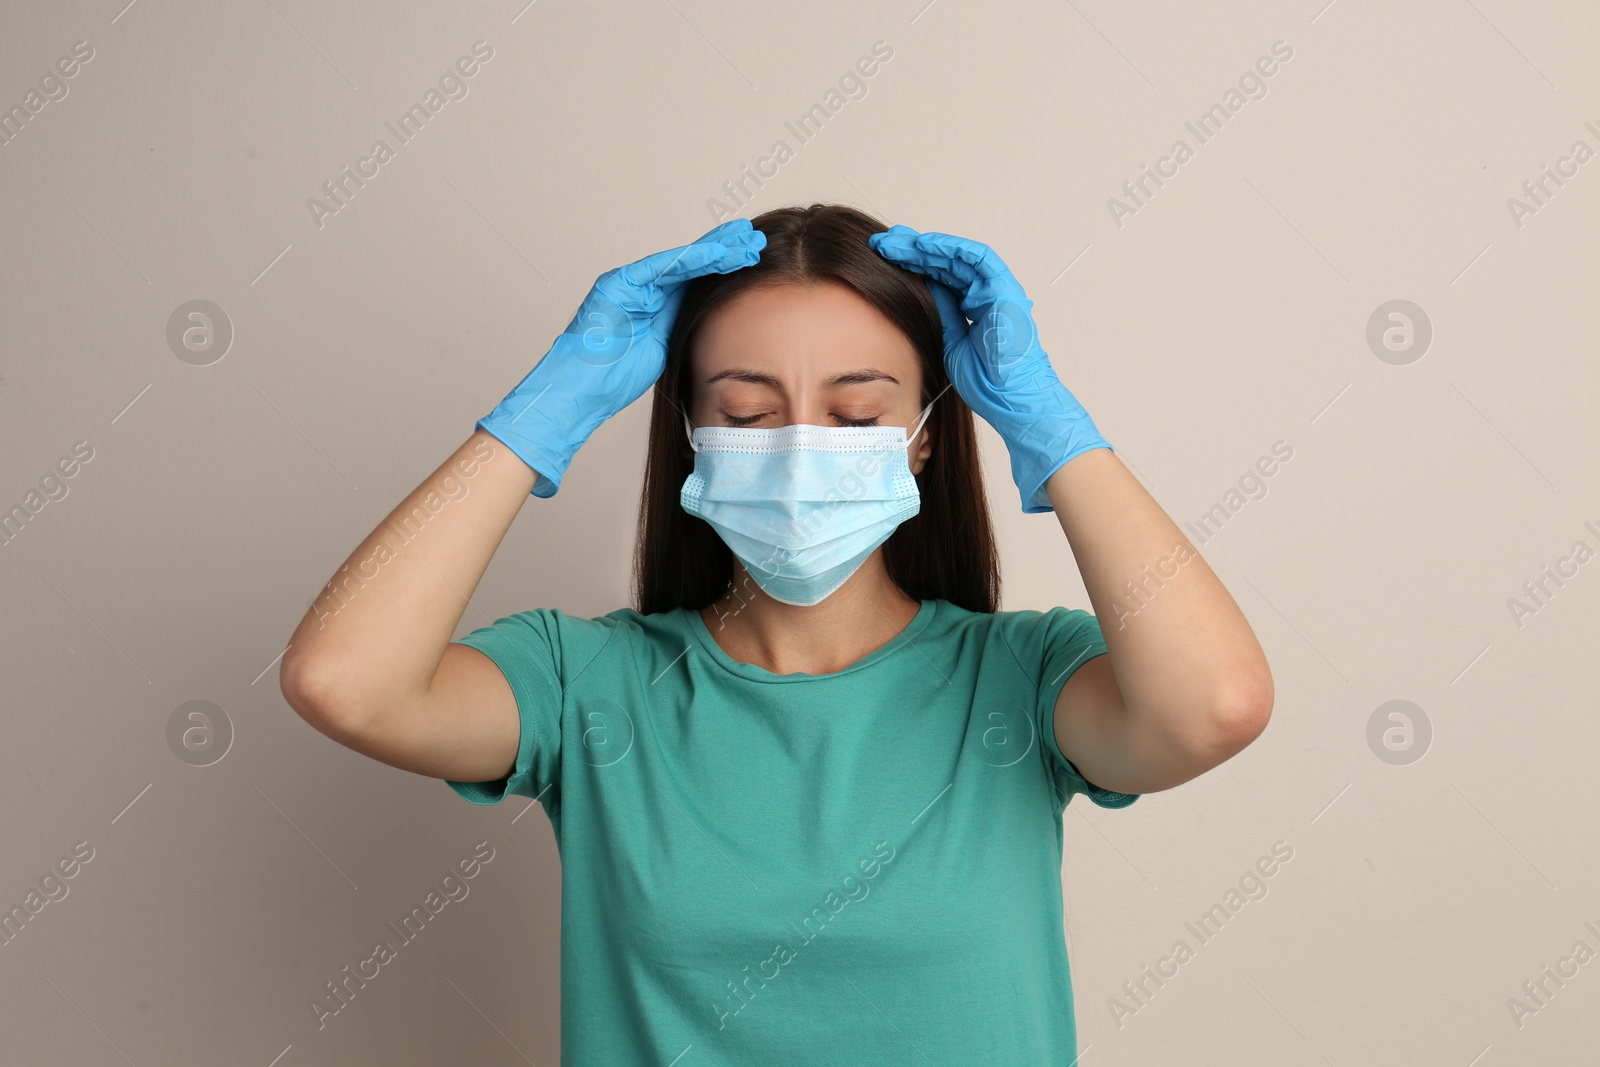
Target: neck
{"x":861,"y":616}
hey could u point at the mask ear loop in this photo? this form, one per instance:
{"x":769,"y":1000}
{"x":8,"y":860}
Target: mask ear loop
{"x":690,"y":432}
{"x":911,"y":435}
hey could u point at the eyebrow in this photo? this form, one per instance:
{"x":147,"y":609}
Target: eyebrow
{"x":755,"y":377}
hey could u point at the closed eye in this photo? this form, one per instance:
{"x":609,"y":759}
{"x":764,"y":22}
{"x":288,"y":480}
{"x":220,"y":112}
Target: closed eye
{"x":750,"y":420}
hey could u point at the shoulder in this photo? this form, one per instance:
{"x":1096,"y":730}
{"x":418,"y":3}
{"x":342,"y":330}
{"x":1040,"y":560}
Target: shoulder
{"x":1043,"y":646}
{"x":1029,"y":633}
{"x":570,"y":644}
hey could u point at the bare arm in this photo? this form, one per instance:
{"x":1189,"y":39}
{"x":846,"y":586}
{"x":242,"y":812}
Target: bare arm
{"x":1185,"y":685}
{"x":371,"y":664}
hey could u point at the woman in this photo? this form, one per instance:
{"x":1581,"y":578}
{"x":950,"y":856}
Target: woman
{"x":809,"y":795}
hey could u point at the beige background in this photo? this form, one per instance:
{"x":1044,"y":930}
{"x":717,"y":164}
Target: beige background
{"x":1228,"y":313}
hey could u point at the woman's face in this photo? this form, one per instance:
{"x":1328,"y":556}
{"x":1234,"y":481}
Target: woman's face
{"x":815,"y":354}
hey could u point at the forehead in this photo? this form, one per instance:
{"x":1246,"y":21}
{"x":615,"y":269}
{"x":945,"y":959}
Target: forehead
{"x":806,"y":330}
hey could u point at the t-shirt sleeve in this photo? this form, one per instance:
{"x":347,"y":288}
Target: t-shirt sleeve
{"x":527,"y":648}
{"x":1067,"y":639}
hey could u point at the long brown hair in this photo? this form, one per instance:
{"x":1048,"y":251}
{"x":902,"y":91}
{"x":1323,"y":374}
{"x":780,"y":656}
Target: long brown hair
{"x":944,"y":552}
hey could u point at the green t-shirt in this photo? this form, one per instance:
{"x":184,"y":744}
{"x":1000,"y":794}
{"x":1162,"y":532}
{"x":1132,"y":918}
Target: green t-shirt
{"x":857,"y":867}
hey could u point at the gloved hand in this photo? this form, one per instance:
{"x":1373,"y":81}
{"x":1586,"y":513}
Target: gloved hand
{"x":995,"y":363}
{"x":613,"y":350}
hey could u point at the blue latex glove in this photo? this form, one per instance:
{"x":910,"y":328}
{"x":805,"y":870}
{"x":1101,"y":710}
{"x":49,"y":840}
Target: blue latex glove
{"x":995,"y":363}
{"x":613,"y":350}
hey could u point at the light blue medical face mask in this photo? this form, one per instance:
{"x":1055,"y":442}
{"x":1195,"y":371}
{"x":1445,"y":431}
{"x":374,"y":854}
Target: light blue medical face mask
{"x":802,"y":507}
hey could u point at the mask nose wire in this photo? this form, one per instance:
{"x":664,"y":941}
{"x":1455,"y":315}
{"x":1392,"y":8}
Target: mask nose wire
{"x":911,"y":435}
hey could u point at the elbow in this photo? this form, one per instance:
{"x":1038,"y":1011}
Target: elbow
{"x":1202,"y":734}
{"x":299,"y":685}
{"x":312,"y":686}
{"x":1240,"y":715}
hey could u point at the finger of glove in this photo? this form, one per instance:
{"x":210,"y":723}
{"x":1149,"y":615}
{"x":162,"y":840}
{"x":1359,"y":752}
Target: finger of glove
{"x":725,"y":231}
{"x":964,"y":360}
{"x":898,"y":245}
{"x":971,"y":268}
{"x":909,"y":249}
{"x":961,"y":254}
{"x":735,"y":233}
{"x":661,"y":322}
{"x":961,"y":362}
{"x":956,"y":259}
{"x":996,"y":348}
{"x":677,"y":265}
{"x":1003,"y":331}
{"x":626,"y":305}
{"x":741,"y":247}
{"x":954,"y":320}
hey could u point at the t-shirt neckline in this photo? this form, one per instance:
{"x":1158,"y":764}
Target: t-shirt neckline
{"x":708,"y":643}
